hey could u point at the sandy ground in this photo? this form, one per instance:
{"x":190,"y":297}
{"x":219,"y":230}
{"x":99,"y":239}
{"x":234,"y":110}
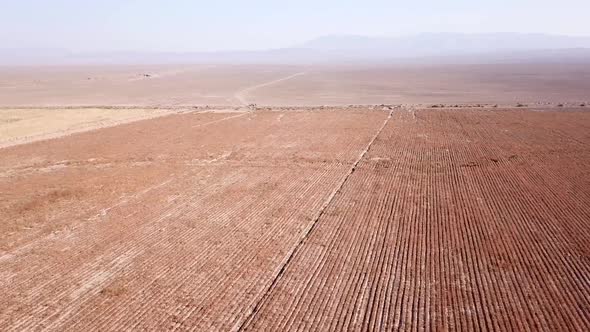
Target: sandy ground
{"x":334,"y":219}
{"x":24,"y":125}
{"x":293,"y":85}
{"x":505,"y":84}
{"x":133,"y":85}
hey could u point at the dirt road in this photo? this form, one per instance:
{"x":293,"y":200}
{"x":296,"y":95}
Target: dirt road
{"x":242,"y":95}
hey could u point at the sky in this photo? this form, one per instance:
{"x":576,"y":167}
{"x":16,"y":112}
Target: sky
{"x":189,"y":26}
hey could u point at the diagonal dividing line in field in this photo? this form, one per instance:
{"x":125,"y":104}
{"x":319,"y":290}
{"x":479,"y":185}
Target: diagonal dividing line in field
{"x":239,"y":326}
{"x":221,"y":120}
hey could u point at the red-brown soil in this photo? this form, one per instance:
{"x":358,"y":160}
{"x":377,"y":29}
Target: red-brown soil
{"x":334,"y":219}
{"x":179,"y":222}
{"x":455,"y":220}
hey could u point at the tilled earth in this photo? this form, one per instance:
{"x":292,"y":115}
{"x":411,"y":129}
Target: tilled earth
{"x":334,"y":219}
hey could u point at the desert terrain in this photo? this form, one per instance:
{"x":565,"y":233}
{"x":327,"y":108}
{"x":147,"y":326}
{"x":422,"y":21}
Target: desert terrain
{"x":295,"y":198}
{"x":293,"y":85}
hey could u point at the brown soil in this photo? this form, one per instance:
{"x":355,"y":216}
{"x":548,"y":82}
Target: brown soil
{"x":175,"y":222}
{"x":309,"y":219}
{"x":416,"y":241}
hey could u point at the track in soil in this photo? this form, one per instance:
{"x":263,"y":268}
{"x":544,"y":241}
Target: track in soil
{"x":289,"y":257}
{"x":241,"y":95}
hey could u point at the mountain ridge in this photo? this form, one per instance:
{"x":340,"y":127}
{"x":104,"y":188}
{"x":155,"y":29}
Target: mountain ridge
{"x":345,"y":48}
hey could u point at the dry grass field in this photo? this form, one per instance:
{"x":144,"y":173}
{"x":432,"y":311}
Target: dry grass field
{"x":22,"y":125}
{"x":120,"y":214}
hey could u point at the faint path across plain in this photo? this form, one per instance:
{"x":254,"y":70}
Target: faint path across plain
{"x":241,"y":95}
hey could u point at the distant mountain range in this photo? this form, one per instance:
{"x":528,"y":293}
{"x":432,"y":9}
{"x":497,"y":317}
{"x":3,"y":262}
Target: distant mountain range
{"x":426,"y":47}
{"x":436,"y":44}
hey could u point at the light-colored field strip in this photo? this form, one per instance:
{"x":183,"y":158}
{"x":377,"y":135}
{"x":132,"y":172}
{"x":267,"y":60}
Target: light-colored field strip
{"x":20,"y":126}
{"x":455,"y":220}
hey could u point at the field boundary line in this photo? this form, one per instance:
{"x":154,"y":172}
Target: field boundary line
{"x":221,"y":120}
{"x":239,"y":326}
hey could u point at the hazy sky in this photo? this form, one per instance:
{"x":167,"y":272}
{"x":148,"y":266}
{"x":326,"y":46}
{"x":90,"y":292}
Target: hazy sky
{"x":184,"y":25}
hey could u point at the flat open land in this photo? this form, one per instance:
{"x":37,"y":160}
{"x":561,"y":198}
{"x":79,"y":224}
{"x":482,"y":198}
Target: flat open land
{"x":303,"y":219}
{"x":280,"y":85}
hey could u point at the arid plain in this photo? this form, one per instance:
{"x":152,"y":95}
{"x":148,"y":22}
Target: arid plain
{"x":337,"y":85}
{"x":295,"y":198}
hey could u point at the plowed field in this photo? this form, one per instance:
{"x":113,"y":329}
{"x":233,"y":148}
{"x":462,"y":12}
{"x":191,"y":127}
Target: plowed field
{"x":334,"y":219}
{"x":455,"y":220}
